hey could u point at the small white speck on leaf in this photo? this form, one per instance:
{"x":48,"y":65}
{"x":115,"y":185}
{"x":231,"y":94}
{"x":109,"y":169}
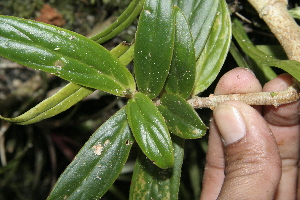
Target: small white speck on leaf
{"x":97,"y":149}
{"x":72,"y":37}
{"x":106,"y":142}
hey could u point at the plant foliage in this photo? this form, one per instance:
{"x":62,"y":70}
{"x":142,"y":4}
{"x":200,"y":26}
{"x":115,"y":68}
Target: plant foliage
{"x":178,"y":51}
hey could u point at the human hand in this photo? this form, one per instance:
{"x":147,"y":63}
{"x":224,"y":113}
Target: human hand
{"x":253,"y":152}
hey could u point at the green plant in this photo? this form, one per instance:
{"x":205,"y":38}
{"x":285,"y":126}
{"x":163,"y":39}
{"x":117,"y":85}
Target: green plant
{"x":177,"y":55}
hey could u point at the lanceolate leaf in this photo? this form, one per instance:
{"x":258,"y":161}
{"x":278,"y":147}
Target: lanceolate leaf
{"x":182,"y":72}
{"x":200,"y":15}
{"x":290,"y":66}
{"x":150,"y":131}
{"x":181,"y":118}
{"x":154,"y":46}
{"x":215,"y":51}
{"x":99,"y":162}
{"x":151,"y":182}
{"x":59,"y":102}
{"x":123,"y":21}
{"x":127,"y":56}
{"x":66,"y":97}
{"x":120,"y":49}
{"x":63,"y":53}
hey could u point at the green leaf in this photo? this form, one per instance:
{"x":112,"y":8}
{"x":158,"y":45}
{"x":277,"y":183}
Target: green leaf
{"x":290,"y":66}
{"x":150,"y":131}
{"x":119,"y":50}
{"x":263,"y":72}
{"x":99,"y":162}
{"x":59,"y":102}
{"x":215,"y":51}
{"x":181,"y":118}
{"x":154,"y":46}
{"x":200,"y":15}
{"x":238,"y":57}
{"x":67,"y":96}
{"x":151,"y":182}
{"x":123,"y":21}
{"x":264,"y":60}
{"x":273,"y":50}
{"x":182,"y":72}
{"x":127,"y":56}
{"x":66,"y":54}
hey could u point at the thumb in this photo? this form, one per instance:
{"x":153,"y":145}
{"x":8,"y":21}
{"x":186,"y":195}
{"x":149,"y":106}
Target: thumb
{"x":252,"y":160}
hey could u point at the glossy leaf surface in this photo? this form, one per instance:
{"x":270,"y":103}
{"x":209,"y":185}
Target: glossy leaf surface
{"x":154,"y":46}
{"x":63,"y":53}
{"x":67,"y":96}
{"x":99,"y":162}
{"x":182,"y":72}
{"x":123,"y":21}
{"x":151,"y":182}
{"x":200,"y":15}
{"x":215,"y":51}
{"x":150,"y":131}
{"x":181,"y":118}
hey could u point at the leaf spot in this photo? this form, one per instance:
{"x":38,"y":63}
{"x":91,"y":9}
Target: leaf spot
{"x":59,"y":64}
{"x":97,"y":149}
{"x":147,"y":12}
{"x":106,"y":142}
{"x":72,"y":37}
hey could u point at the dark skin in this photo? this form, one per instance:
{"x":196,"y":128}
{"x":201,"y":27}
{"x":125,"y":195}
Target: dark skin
{"x":253,"y":151}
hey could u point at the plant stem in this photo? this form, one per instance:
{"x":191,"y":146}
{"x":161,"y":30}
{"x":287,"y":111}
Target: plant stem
{"x":284,"y":27}
{"x":259,"y":98}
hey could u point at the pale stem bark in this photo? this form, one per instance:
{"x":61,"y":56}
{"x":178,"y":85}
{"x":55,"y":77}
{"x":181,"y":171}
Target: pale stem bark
{"x":259,"y":98}
{"x":284,"y":27}
{"x":289,"y":95}
{"x":286,"y":30}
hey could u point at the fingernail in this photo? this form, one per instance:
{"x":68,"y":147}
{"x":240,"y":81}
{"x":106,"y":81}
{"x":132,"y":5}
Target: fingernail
{"x":230,"y":123}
